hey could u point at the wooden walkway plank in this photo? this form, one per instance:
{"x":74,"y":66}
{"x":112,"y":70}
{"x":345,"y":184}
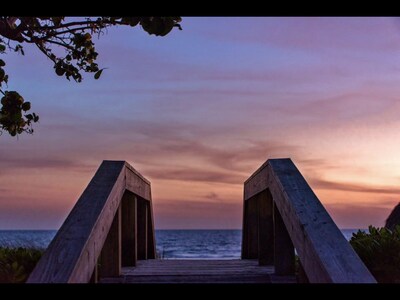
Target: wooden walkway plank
{"x":199,"y":271}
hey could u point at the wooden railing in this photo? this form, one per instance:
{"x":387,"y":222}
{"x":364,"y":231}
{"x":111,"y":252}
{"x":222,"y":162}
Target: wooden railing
{"x":282,"y":213}
{"x":110,"y":226}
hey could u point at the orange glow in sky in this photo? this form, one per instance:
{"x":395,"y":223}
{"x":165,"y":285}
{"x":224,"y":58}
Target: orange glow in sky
{"x":197,"y":112}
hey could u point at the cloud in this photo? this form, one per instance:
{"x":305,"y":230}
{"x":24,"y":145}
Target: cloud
{"x":40,"y":163}
{"x":173,"y":214}
{"x":193,"y":174}
{"x":174,"y":157}
{"x":211,"y":196}
{"x":14,"y":161}
{"x":350,"y":187}
{"x":358,"y":216}
{"x":228,"y":158}
{"x":325,"y":35}
{"x":210,"y":105}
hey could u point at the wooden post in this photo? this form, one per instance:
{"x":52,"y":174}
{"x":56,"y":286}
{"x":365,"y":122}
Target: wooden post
{"x":111,"y":252}
{"x":326,"y":256}
{"x":95,"y":276}
{"x":265,"y":229}
{"x":245,"y":246}
{"x":301,"y":275}
{"x":252,"y":228}
{"x":284,"y":251}
{"x":129,"y":230}
{"x":151,"y":253}
{"x":142,"y":228}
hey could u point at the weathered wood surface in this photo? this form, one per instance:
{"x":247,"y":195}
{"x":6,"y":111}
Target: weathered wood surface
{"x":151,"y":236}
{"x":324,"y":252}
{"x":74,"y":251}
{"x":284,"y":259}
{"x":199,"y":271}
{"x":142,"y":228}
{"x":129,"y":229}
{"x":252,"y":228}
{"x":110,"y":257}
{"x":265,"y":229}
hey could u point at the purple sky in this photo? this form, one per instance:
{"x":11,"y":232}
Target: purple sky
{"x":196,"y":112}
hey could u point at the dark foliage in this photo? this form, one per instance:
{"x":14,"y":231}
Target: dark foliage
{"x":379,"y":249}
{"x":394,"y":218}
{"x":75,"y":36}
{"x":16,"y":264}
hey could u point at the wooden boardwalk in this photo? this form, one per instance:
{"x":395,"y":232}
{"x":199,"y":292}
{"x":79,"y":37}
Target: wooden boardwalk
{"x":199,"y":271}
{"x":109,"y":236}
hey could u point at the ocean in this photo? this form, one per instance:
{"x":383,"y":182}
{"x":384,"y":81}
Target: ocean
{"x":171,"y":244}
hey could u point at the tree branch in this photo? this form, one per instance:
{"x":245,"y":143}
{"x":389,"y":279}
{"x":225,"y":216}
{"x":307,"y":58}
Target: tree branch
{"x":45,"y":52}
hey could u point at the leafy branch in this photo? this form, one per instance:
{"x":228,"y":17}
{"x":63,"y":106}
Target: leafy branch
{"x":75,"y":37}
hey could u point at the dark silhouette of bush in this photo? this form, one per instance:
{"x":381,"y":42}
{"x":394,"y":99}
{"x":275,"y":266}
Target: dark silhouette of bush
{"x":379,"y":249}
{"x":394,"y":218}
{"x":17,"y":263}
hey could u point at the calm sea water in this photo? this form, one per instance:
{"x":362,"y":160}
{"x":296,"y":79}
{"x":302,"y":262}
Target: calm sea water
{"x":184,"y":244}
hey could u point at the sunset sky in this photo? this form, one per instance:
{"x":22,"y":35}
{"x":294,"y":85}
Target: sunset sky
{"x":198,"y":111}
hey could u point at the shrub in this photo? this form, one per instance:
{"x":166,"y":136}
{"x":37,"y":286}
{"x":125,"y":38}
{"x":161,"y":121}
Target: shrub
{"x":379,"y":249}
{"x":17,"y":263}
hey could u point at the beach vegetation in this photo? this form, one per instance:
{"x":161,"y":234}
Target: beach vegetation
{"x":17,"y":263}
{"x":379,"y":249}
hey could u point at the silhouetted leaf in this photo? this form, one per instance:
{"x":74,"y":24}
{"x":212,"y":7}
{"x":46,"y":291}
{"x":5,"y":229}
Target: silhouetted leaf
{"x":26,"y":106}
{"x":98,"y":74}
{"x":60,"y":71}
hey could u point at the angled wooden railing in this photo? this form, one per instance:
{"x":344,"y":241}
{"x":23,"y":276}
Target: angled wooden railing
{"x":282,"y":213}
{"x":110,"y":226}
